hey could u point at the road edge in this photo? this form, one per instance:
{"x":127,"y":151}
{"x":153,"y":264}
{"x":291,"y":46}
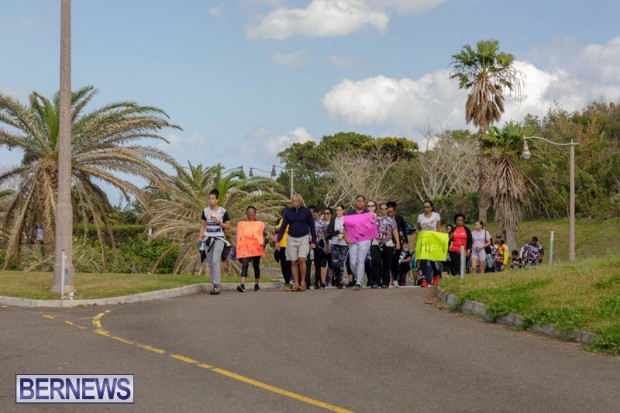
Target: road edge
{"x":125,"y":299}
{"x":513,"y":320}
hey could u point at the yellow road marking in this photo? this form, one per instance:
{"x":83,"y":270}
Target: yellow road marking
{"x":183,"y":358}
{"x":283,"y":392}
{"x":122,"y":340}
{"x":96,"y":321}
{"x":149,"y":348}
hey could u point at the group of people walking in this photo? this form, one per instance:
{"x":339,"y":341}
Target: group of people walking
{"x":338,"y":240}
{"x":366,"y":246}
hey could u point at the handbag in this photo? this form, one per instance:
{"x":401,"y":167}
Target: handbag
{"x":488,"y":249}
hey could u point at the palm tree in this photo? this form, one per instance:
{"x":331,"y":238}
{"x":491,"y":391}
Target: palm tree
{"x":507,"y":188}
{"x":104,"y":144}
{"x":177,"y":215}
{"x":486,"y":72}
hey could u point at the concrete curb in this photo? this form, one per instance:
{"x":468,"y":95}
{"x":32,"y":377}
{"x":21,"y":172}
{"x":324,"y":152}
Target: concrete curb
{"x":514,"y":320}
{"x":152,"y":295}
{"x":125,"y":299}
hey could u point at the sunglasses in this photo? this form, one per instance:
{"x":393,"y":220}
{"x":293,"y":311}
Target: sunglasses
{"x":383,"y":209}
{"x":327,"y":213}
{"x":426,"y":206}
{"x":371,"y":206}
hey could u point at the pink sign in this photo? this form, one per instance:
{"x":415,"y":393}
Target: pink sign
{"x":360,"y":227}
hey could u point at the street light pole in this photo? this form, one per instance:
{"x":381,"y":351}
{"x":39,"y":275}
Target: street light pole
{"x":527,"y":155}
{"x":64,"y":212}
{"x":252,"y":168}
{"x":571,"y":219}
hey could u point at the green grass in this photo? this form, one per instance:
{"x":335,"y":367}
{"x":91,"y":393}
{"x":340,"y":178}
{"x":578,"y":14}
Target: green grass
{"x":593,"y":238}
{"x":584,"y":295}
{"x":37,"y":285}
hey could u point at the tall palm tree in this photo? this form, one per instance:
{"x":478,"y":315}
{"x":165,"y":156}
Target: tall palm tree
{"x":177,"y":215}
{"x":105,"y":143}
{"x":507,"y":188}
{"x":486,"y":72}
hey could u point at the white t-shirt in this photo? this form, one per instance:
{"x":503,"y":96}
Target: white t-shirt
{"x":429,"y":224}
{"x":338,"y":226}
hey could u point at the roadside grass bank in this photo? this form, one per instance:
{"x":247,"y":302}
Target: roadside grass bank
{"x":37,"y":285}
{"x":593,"y":237}
{"x":583,"y":295}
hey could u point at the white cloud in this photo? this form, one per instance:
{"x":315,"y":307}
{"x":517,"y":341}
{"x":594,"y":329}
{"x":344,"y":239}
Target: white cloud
{"x":575,"y":77}
{"x":322,"y":18}
{"x":295,"y":59}
{"x":217,"y":10}
{"x":402,"y":103}
{"x":263,"y":144}
{"x":272,"y":144}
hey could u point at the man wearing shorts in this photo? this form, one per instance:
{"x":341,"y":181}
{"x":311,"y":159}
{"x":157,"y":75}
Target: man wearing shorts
{"x":300,"y":224}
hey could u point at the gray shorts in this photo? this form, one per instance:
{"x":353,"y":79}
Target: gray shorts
{"x":479,"y":255}
{"x":297,"y":248}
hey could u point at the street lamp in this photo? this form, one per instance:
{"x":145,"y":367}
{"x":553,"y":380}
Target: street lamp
{"x":527,"y":155}
{"x":291,"y":173}
{"x":272,"y":174}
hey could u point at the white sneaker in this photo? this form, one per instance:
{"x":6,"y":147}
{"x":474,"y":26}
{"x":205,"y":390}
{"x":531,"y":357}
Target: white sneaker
{"x":395,"y":284}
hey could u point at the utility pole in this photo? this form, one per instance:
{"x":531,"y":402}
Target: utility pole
{"x":64,"y":212}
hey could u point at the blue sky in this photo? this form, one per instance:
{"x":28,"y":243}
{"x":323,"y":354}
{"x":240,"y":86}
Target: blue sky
{"x":245,"y":79}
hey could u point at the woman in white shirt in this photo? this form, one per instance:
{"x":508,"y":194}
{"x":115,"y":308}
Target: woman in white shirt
{"x":338,"y":245}
{"x":429,"y":220}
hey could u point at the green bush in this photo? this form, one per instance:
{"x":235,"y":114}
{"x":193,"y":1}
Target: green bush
{"x":13,"y":265}
{"x":87,"y":257}
{"x":122,"y":233}
{"x":139,"y":256}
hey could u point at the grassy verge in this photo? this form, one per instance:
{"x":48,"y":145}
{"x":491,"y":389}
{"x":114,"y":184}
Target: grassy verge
{"x":583,"y":295}
{"x":593,"y":237}
{"x":37,"y":285}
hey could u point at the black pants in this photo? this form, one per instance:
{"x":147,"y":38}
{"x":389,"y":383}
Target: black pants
{"x":320,"y":261}
{"x":339,"y":257}
{"x":245,"y":264}
{"x":455,"y":263}
{"x":395,"y":265}
{"x":381,"y":263}
{"x":285,"y":266}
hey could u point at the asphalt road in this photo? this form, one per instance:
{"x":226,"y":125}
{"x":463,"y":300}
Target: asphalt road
{"x":341,"y":350}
